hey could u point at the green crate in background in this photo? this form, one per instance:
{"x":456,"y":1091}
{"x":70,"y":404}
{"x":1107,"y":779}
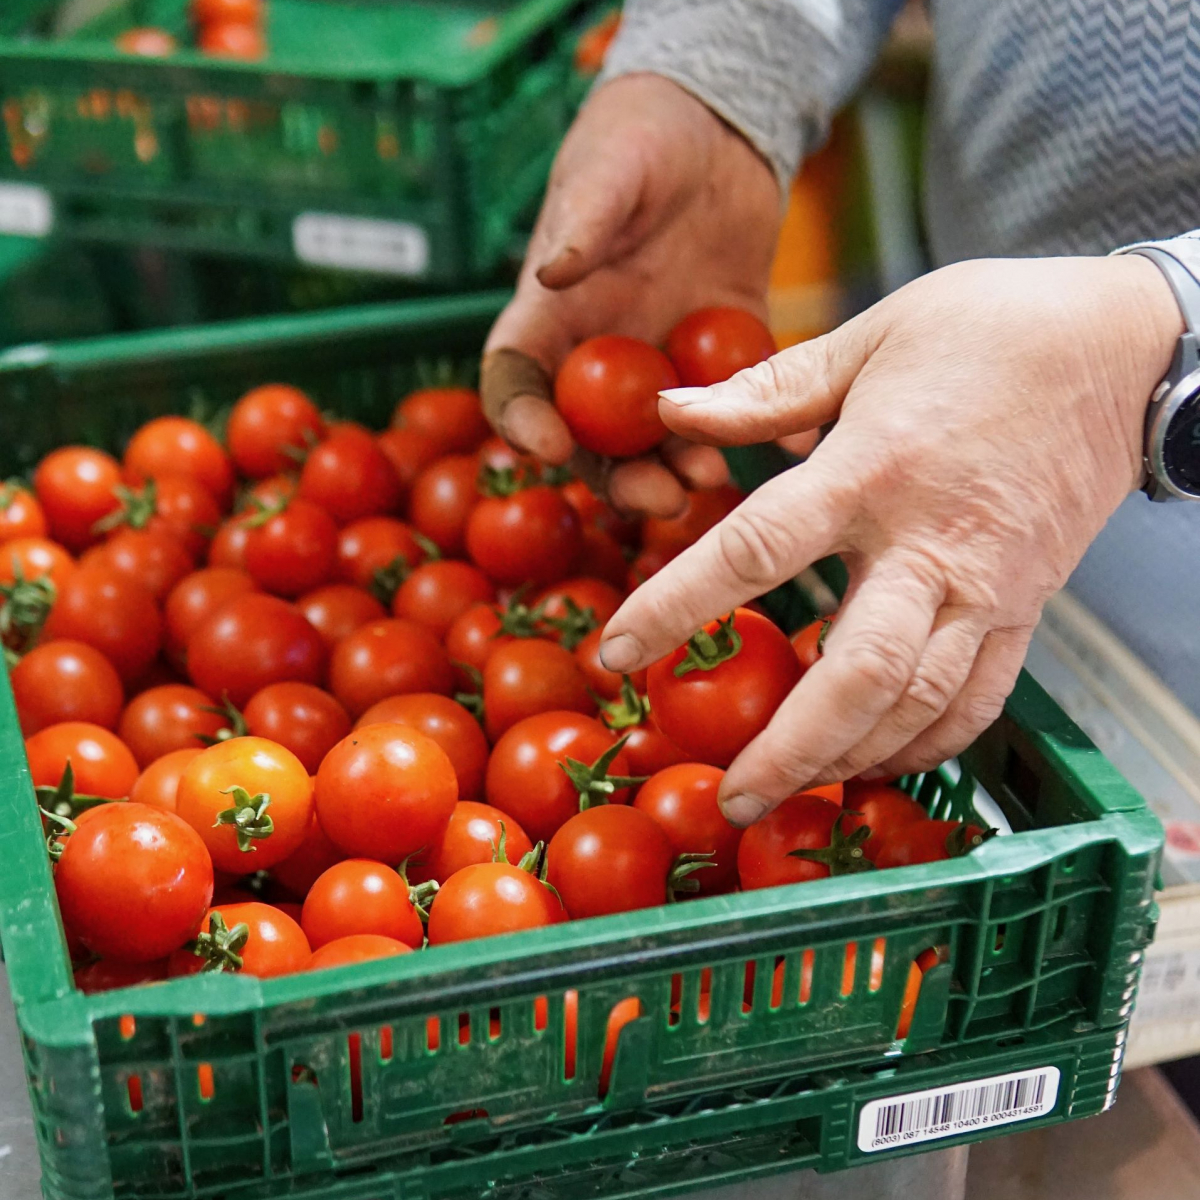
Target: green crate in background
{"x":1045,"y":931}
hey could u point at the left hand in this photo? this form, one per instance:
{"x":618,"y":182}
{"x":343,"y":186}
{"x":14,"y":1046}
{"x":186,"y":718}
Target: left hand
{"x":989,"y":420}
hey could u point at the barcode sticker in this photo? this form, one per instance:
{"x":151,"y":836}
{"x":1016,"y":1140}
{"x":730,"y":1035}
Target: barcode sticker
{"x":25,"y":209}
{"x":963,"y":1108}
{"x":361,"y":243}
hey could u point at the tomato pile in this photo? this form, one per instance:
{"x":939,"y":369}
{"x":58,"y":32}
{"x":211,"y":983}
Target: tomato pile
{"x":224,"y":28}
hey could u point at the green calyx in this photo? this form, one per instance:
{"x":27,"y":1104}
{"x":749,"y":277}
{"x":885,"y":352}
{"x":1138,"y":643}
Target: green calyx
{"x":420,"y":895}
{"x":261,"y":512}
{"x":518,"y":620}
{"x":9,"y":490}
{"x":248,"y":816}
{"x":501,"y":482}
{"x":826,"y":626}
{"x":964,"y":838}
{"x":62,"y":802}
{"x":706,"y":651}
{"x":844,"y":854}
{"x":472,"y":701}
{"x":386,"y":581}
{"x":593,"y":783}
{"x":230,"y":711}
{"x":500,"y":848}
{"x":574,"y":625}
{"x":61,"y":829}
{"x":25,"y":605}
{"x":220,"y":947}
{"x":628,"y":711}
{"x":681,"y":880}
{"x":537,"y":864}
{"x":136,"y":508}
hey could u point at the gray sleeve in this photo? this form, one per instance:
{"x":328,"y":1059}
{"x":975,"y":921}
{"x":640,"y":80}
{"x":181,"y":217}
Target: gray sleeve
{"x":776,"y":70}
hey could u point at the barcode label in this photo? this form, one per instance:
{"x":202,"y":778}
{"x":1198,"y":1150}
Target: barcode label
{"x":25,"y":209}
{"x":945,"y":1112}
{"x":360,"y":243}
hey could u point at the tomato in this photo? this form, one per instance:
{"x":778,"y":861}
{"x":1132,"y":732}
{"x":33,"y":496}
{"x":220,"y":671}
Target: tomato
{"x":179,"y":446}
{"x":133,"y":883}
{"x":232,"y":40}
{"x":809,"y":642}
{"x":714,"y":695}
{"x":649,"y":750}
{"x":65,"y":681}
{"x":929,"y":841}
{"x":682,"y":800}
{"x":250,"y":641}
{"x":153,"y":559}
{"x":377,"y":553}
{"x":387,"y":658}
{"x":339,"y":609}
{"x":357,"y":948}
{"x":275,"y":491}
{"x":228,"y":547}
{"x":267,"y":423}
{"x":240,"y":12}
{"x":446,"y":722}
{"x":443,"y":497}
{"x":566,"y":603}
{"x":884,"y":810}
{"x":35,"y":558}
{"x":591,"y":49}
{"x":274,"y":944}
{"x":607,"y":392}
{"x":595,"y":513}
{"x":21,"y":514}
{"x":158,"y":784}
{"x":529,"y":676}
{"x":193,"y":600}
{"x":451,"y":416}
{"x":177,"y":506}
{"x":235,"y":779}
{"x":489,"y":899}
{"x":604,"y":557}
{"x":647,"y":563}
{"x":306,"y":720}
{"x":703,"y":511}
{"x":349,"y":476}
{"x":439,"y":592}
{"x":385,"y":791}
{"x":804,"y":822}
{"x":409,"y":452}
{"x":299,"y":871}
{"x":291,"y":550}
{"x":171,"y":717}
{"x":605,"y":683}
{"x":106,"y":976}
{"x":712,"y":344}
{"x":360,"y":895}
{"x":103,"y":765}
{"x":483,"y":628}
{"x":531,"y":536}
{"x":473,"y":836}
{"x":497,"y":454}
{"x":147,"y":41}
{"x":76,"y":487}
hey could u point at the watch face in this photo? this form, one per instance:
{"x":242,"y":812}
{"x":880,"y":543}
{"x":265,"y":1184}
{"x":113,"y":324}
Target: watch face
{"x":1181,"y":447}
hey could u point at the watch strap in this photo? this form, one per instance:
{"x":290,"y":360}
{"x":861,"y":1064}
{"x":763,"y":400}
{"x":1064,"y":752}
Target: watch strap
{"x":1183,"y":283}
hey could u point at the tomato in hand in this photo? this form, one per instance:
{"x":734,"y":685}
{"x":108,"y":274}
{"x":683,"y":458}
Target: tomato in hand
{"x":316,"y":854}
{"x":305,"y":719}
{"x":443,"y":497}
{"x":807,"y":823}
{"x":270,"y":944}
{"x":439,"y":592}
{"x":170,"y":717}
{"x":179,"y":446}
{"x":387,"y":658}
{"x":489,"y":899}
{"x":149,"y":557}
{"x":102,"y":763}
{"x":65,"y":681}
{"x":360,"y":895}
{"x":357,"y":948}
{"x":930,"y":841}
{"x":409,"y":452}
{"x":76,"y":487}
{"x":338,"y":609}
{"x":703,"y":510}
{"x":291,"y":550}
{"x":451,"y":416}
{"x":193,"y":600}
{"x":349,"y":476}
{"x":377,"y":553}
{"x":133,"y":883}
{"x":528,"y":676}
{"x":105,"y":976}
{"x":21,"y":514}
{"x":267,"y":423}
{"x":809,"y":642}
{"x":158,"y":784}
{"x":528,"y":536}
{"x":474,"y":835}
{"x":607,"y":392}
{"x":713,"y":344}
{"x":884,"y":810}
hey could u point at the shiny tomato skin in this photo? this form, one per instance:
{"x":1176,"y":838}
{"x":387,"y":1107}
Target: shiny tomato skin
{"x":607,"y":392}
{"x":183,"y":509}
{"x":532,"y":536}
{"x":315,"y":855}
{"x":170,"y":717}
{"x":387,"y":658}
{"x":800,"y":823}
{"x":350,"y":477}
{"x":473,"y":836}
{"x":884,"y":810}
{"x":35,"y":558}
{"x":357,"y":948}
{"x":21,"y":514}
{"x":489,"y":899}
{"x":338,"y":609}
{"x":360,"y":895}
{"x":446,"y":722}
{"x":133,"y":883}
{"x":305,"y":719}
{"x":439,"y":592}
{"x":410,"y":453}
{"x":228,"y":547}
{"x":713,"y":714}
{"x":240,"y":12}
{"x":443,"y":497}
{"x":158,"y":784}
{"x":232,"y":39}
{"x":276,"y":945}
{"x":472,"y":637}
{"x":102,"y":763}
{"x":703,"y":510}
{"x":385,"y":791}
{"x":251,"y":641}
{"x":586,"y":593}
{"x":105,"y":976}
{"x":293,"y":551}
{"x":528,"y":676}
{"x":266,"y":423}
{"x":179,"y":446}
{"x":76,"y":487}
{"x":149,"y":557}
{"x":649,"y":750}
{"x":193,"y":600}
{"x":66,"y":681}
{"x":712,"y":344}
{"x":451,"y":416}
{"x":923,"y":842}
{"x":148,"y":42}
{"x":374,"y":544}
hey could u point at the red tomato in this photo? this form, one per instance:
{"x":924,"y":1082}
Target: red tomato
{"x":179,"y":507}
{"x":35,"y":558}
{"x":683,"y":802}
{"x":293,"y":550}
{"x":21,"y":514}
{"x":171,"y":717}
{"x":338,"y":609}
{"x":804,"y":822}
{"x":473,"y":836}
{"x":607,"y":392}
{"x":745,"y":667}
{"x":451,"y":416}
{"x":648,"y":562}
{"x":350,"y":477}
{"x":250,"y":641}
{"x":360,"y":895}
{"x":703,"y":511}
{"x":439,"y":592}
{"x":594,"y":513}
{"x":579,"y":597}
{"x":483,"y":628}
{"x":361,"y":947}
{"x":193,"y":600}
{"x":158,"y":784}
{"x":488,"y":899}
{"x":151,"y":43}
{"x":387,"y":658}
{"x":232,"y":40}
{"x":102,"y":764}
{"x":179,"y":446}
{"x":446,"y":722}
{"x":532,"y":536}
{"x":240,"y":12}
{"x":274,"y":945}
{"x":590,"y":52}
{"x":258,"y":769}
{"x":106,"y":976}
{"x":377,"y":553}
{"x":529,"y":676}
{"x":386,"y":791}
{"x":497,"y":454}
{"x":151,"y":558}
{"x":409,"y":452}
{"x":605,"y":683}
{"x":228,"y":547}
{"x":65,"y":681}
{"x":649,"y":750}
{"x":929,"y":841}
{"x":884,"y":810}
{"x":443,"y":497}
{"x":711,"y":344}
{"x":267,"y":423}
{"x":604,"y":557}
{"x":299,"y":871}
{"x":306,"y":720}
{"x":526,"y":775}
{"x":809,"y":641}
{"x":275,"y":491}
{"x":76,"y":487}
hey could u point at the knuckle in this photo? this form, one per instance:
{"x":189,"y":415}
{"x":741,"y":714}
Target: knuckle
{"x":929,"y":694}
{"x":753,"y":547}
{"x":981,"y":710}
{"x":873,"y":657}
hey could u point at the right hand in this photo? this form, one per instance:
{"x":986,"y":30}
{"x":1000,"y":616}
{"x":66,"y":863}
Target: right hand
{"x":655,"y":208}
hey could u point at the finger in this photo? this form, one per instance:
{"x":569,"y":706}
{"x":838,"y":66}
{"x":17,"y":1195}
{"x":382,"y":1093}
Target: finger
{"x":801,"y":444}
{"x":644,"y":485}
{"x":517,"y":400}
{"x":701,"y":467}
{"x":870,"y":658}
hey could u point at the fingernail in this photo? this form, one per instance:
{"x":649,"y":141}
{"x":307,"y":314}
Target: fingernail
{"x":619,"y":653}
{"x":686,"y":395}
{"x":743,"y":809}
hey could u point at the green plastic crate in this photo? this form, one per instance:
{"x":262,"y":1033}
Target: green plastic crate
{"x":404,"y":137}
{"x":1045,"y":928}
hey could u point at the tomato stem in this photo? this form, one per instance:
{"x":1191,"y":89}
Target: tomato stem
{"x":386,"y":581}
{"x":56,"y":838}
{"x":472,"y":701}
{"x":26,"y":605}
{"x":680,"y":879}
{"x":536,"y":863}
{"x":826,"y":626}
{"x":62,"y":800}
{"x":135,"y":509}
{"x":221,"y":946}
{"x":264,"y":512}
{"x":501,"y":482}
{"x":230,"y":711}
{"x":519,"y":620}
{"x":248,"y":816}
{"x":574,"y":625}
{"x":706,"y":651}
{"x":593,"y":783}
{"x":964,"y":838}
{"x":626,"y":712}
{"x":430,"y":548}
{"x":844,"y":854}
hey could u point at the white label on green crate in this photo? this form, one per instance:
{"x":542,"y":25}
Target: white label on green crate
{"x":962,"y":1108}
{"x":360,"y":244}
{"x":25,"y":210}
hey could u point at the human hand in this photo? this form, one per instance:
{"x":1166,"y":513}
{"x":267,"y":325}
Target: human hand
{"x":655,"y":208}
{"x":989,"y":419}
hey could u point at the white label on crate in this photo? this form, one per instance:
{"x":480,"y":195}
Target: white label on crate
{"x":360,"y":243}
{"x":1170,"y":987}
{"x":25,"y":210}
{"x":963,"y":1108}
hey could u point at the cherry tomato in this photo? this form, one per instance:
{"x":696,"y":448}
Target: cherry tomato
{"x":590,"y":52}
{"x":158,"y":784}
{"x":250,"y":641}
{"x":683,"y":802}
{"x":360,"y":895}
{"x":153,"y":559}
{"x":170,"y":717}
{"x":804,"y":822}
{"x":594,"y":513}
{"x":232,"y":40}
{"x":259,"y":769}
{"x":306,"y":720}
{"x":103,"y":765}
{"x":66,"y":681}
{"x":530,"y":536}
{"x":808,"y":642}
{"x":712,"y":344}
{"x":409,"y":452}
{"x":646,"y":563}
{"x":275,"y":491}
{"x":240,"y":12}
{"x":443,"y":497}
{"x":266,"y":423}
{"x":439,"y":592}
{"x":228,"y":547}
{"x":386,"y":791}
{"x":497,"y":454}
{"x":377,"y":553}
{"x":607,"y":392}
{"x":446,"y":722}
{"x":193,"y":600}
{"x":473,"y":836}
{"x":604,"y":557}
{"x":451,"y":416}
{"x":106,"y":976}
{"x":529,"y":676}
{"x":21,"y":514}
{"x":293,"y":550}
{"x":884,"y":810}
{"x":582,"y":594}
{"x":649,"y":750}
{"x":473,"y":636}
{"x":744,"y":668}
{"x":35,"y":558}
{"x":179,"y":507}
{"x":76,"y":487}
{"x":299,"y":871}
{"x":929,"y":841}
{"x":338,"y":609}
{"x":605,"y":683}
{"x":179,"y":446}
{"x":275,"y":944}
{"x":349,"y":476}
{"x":489,"y":899}
{"x":703,"y":511}
{"x":387,"y":658}
{"x":357,"y":948}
